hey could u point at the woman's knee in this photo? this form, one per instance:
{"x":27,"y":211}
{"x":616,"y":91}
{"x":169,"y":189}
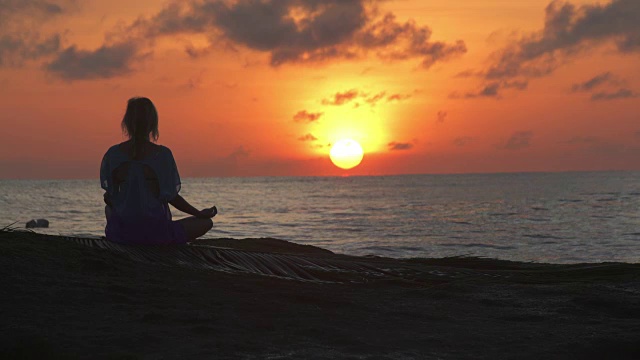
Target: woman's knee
{"x":209,"y":224}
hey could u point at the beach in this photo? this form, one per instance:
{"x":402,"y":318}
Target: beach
{"x":66,"y":300}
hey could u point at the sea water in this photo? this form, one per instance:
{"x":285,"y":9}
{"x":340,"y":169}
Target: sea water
{"x":542,"y":217}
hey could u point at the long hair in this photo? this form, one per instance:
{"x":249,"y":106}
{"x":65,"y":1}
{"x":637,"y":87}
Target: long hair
{"x":140,"y":122}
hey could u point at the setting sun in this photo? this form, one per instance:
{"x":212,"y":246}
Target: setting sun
{"x":346,"y":154}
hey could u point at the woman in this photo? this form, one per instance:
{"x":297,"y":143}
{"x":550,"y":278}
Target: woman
{"x":140,"y":180}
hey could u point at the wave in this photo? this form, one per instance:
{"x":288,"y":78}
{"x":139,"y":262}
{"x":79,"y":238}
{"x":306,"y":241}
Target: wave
{"x":478,"y":245}
{"x":545,"y":236}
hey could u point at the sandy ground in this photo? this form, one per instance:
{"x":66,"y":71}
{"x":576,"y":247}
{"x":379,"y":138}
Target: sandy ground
{"x":64,"y":300}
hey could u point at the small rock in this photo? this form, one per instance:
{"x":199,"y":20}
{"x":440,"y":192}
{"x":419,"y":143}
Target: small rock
{"x":38,"y":223}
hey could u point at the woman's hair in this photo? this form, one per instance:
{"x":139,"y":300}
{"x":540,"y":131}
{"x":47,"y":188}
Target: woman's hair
{"x":140,"y":120}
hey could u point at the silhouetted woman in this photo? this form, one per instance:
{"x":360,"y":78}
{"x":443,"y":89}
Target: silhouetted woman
{"x":140,"y":180}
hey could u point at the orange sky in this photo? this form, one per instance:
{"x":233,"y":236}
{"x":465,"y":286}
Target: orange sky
{"x":248,"y":88}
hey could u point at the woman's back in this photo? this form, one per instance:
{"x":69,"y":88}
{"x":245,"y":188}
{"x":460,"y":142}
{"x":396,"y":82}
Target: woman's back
{"x":139,"y":185}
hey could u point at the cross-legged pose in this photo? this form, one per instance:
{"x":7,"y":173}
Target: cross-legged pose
{"x":140,"y":179}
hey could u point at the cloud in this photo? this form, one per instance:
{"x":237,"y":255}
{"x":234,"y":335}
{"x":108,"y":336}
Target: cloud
{"x":307,"y":137}
{"x":462,"y":141}
{"x":195,"y":82}
{"x":346,"y":97}
{"x":442,"y":116}
{"x":569,"y":30}
{"x":492,"y":89}
{"x":386,"y":34}
{"x":594,"y":82}
{"x":341,"y":98}
{"x":305,"y":31}
{"x":398,"y":97}
{"x":620,"y":94}
{"x":16,"y":49}
{"x":373,"y":100}
{"x":582,"y":140}
{"x":519,"y":140}
{"x":399,"y":146}
{"x":39,"y":8}
{"x":104,"y":62}
{"x":304,"y":116}
{"x":597,"y":146}
{"x":467,"y":74}
{"x":20,"y":36}
{"x":239,"y":153}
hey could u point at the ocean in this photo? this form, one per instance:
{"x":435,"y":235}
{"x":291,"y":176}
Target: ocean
{"x":572,"y":217}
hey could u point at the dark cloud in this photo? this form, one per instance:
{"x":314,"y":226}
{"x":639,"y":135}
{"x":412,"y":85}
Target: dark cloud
{"x":305,"y":31}
{"x":104,"y":62}
{"x":16,"y":49}
{"x":492,"y":89}
{"x":341,"y":98}
{"x":594,"y":82}
{"x":620,"y":94}
{"x":11,"y":8}
{"x":399,"y":146}
{"x":307,"y":137}
{"x":519,"y":140}
{"x":568,"y":31}
{"x":462,"y":141}
{"x":20,"y":37}
{"x":305,"y":116}
{"x":442,"y":116}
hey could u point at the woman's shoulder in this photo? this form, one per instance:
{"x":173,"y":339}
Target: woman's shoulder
{"x":164,"y":150}
{"x":113,"y":149}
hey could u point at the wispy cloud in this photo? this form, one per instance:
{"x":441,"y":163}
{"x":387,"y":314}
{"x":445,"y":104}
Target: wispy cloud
{"x":395,"y":146}
{"x":441,"y":116}
{"x":518,"y":140}
{"x":305,"y":116}
{"x":595,"y":82}
{"x":398,"y":97}
{"x":373,"y":99}
{"x":491,"y":89}
{"x":345,"y":97}
{"x":620,"y":94}
{"x":462,"y":141}
{"x":341,"y":98}
{"x":239,"y":153}
{"x":307,"y":137}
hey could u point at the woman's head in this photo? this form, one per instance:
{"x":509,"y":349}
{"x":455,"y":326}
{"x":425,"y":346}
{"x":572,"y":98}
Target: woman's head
{"x":140,"y":121}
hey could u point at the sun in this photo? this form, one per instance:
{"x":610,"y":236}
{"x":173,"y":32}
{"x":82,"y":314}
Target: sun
{"x":346,"y":154}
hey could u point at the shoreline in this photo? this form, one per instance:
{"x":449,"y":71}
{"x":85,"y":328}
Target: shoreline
{"x":66,"y":300}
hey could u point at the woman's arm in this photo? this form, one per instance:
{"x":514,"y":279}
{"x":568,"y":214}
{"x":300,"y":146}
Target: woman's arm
{"x":183,"y":205}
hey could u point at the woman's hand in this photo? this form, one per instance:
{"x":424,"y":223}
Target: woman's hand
{"x":208,"y":213}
